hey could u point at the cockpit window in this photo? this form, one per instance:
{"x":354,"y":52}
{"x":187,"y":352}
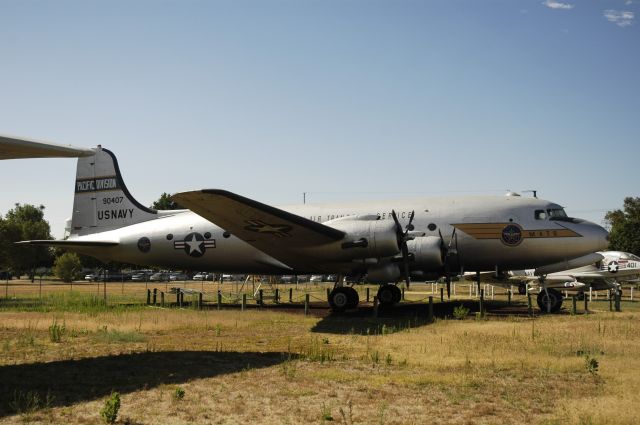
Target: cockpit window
{"x":627,"y":256}
{"x":556,"y":213}
{"x":540,"y":215}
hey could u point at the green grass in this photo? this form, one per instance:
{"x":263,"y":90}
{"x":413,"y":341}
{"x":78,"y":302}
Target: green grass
{"x":114,"y":335}
{"x":71,"y":301}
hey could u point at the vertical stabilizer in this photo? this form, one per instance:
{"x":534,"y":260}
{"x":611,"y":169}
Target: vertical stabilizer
{"x":102,"y":201}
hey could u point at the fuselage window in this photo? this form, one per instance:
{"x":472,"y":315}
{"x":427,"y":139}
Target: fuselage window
{"x":541,"y":215}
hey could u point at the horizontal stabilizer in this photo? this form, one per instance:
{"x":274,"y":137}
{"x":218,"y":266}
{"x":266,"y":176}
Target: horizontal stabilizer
{"x":16,"y":148}
{"x":67,"y":243}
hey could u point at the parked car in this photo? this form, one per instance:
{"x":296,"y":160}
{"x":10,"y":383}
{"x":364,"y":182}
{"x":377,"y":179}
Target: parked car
{"x":178,"y":276}
{"x":141,"y":275}
{"x":159,"y":277}
{"x":317,"y":278}
{"x":203,"y":276}
{"x":110,"y":276}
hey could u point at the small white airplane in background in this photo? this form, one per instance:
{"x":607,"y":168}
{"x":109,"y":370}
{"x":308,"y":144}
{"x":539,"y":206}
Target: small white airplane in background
{"x":608,"y":270}
{"x":386,"y":241}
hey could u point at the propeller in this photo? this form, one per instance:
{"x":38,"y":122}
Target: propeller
{"x":447,"y":252}
{"x":403,"y":237}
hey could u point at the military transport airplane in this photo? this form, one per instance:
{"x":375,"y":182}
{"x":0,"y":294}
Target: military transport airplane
{"x":384,"y":240}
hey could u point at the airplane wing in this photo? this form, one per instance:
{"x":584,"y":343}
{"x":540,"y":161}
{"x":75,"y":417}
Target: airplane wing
{"x":16,"y":148}
{"x":67,"y":243}
{"x":275,"y":232}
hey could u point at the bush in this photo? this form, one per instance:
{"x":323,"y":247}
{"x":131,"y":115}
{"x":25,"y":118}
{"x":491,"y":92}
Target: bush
{"x":56,"y":331}
{"x":110,"y":410}
{"x":460,"y":312}
{"x":67,"y":266}
{"x":179,"y":393}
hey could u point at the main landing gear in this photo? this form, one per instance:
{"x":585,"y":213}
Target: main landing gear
{"x":344,"y":297}
{"x":389,"y":295}
{"x":549,"y":300}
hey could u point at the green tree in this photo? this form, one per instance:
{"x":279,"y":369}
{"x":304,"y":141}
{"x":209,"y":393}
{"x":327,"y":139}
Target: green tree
{"x":165,"y":203}
{"x":67,"y":266}
{"x":24,"y":222}
{"x":625,"y":227}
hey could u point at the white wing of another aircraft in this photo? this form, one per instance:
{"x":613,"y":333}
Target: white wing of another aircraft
{"x":16,"y":148}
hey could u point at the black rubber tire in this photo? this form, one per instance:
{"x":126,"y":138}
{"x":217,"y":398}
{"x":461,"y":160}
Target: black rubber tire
{"x":554,"y":296}
{"x":386,"y":295}
{"x":354,"y":298}
{"x":339,"y":299}
{"x":397,"y":294}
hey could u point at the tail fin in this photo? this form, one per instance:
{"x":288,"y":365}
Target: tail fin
{"x":102,"y":201}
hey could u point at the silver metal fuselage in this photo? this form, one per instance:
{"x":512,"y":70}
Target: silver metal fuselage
{"x":542,"y":241}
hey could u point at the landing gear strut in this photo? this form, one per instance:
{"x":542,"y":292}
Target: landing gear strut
{"x":549,"y":300}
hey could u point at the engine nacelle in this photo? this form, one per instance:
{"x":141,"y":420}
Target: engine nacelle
{"x":426,"y":252}
{"x":384,"y":273}
{"x":366,"y":237}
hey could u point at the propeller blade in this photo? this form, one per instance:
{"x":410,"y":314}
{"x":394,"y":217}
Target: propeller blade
{"x":402,"y":244}
{"x":405,"y":263}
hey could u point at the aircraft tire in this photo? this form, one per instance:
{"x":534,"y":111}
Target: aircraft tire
{"x":397,"y":294}
{"x":554,"y":296}
{"x":354,"y":298}
{"x":340,"y":298}
{"x":386,"y":294}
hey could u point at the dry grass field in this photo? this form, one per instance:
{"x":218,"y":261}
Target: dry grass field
{"x":63,"y":352}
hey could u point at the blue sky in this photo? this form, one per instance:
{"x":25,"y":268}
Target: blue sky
{"x":350,"y":99}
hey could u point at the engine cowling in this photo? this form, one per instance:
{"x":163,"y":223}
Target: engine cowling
{"x":427,"y":253}
{"x":366,"y":237}
{"x":382,"y":273}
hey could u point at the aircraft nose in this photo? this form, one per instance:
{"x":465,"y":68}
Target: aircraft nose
{"x":596,"y":236}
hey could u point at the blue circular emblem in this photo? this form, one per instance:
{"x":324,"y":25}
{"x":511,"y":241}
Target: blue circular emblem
{"x":511,"y":235}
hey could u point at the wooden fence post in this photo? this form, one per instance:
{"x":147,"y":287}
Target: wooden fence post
{"x":161,"y":299}
{"x":306,"y":304}
{"x":244,"y":302}
{"x":148,"y":296}
{"x":219,"y":300}
{"x":482,"y":303}
{"x":586,"y":303}
{"x":430,"y":311}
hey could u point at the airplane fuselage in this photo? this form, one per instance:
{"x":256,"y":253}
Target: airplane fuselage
{"x":490,"y":233}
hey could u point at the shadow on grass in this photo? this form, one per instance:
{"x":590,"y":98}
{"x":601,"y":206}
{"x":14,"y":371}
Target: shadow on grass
{"x":72,"y":381}
{"x":406,"y":315}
